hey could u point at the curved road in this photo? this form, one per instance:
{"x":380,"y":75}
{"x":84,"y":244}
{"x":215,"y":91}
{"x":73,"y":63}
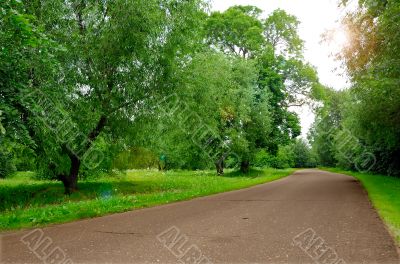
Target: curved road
{"x":309,"y":217}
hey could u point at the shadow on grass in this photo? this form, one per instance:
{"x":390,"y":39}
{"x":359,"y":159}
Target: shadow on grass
{"x":23,"y":194}
{"x":41,"y":194}
{"x":253,"y":173}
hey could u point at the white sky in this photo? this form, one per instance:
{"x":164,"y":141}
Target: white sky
{"x":316,"y":16}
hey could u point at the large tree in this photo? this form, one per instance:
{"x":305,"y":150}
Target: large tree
{"x":238,"y":30}
{"x":284,"y":79}
{"x":202,"y":123}
{"x":371,"y":117}
{"x":114,"y":57}
{"x":25,"y":50}
{"x":281,"y":31}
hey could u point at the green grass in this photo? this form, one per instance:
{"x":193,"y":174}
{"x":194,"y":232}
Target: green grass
{"x":384,"y":193}
{"x":27,"y":203}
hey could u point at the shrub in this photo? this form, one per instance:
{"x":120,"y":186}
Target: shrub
{"x":7,"y":165}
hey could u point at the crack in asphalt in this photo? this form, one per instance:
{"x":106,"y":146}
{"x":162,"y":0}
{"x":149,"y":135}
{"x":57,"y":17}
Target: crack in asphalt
{"x":119,"y":233}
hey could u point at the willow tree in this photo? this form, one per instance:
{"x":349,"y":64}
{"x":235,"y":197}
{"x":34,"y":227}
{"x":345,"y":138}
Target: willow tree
{"x":202,"y":123}
{"x":113,"y":58}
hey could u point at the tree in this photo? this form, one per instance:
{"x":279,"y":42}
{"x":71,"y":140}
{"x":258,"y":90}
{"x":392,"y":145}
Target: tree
{"x":281,"y":31}
{"x":202,"y":124}
{"x":370,"y":116}
{"x":2,"y":129}
{"x":327,"y":124}
{"x":272,"y":81}
{"x":302,"y":155}
{"x":25,"y":50}
{"x":238,"y":30}
{"x":284,"y":80}
{"x":115,"y":56}
{"x":86,"y":80}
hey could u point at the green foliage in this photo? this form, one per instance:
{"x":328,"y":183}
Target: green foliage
{"x":75,"y":73}
{"x":238,"y":30}
{"x":363,"y":130}
{"x":2,"y":129}
{"x":281,"y":31}
{"x":295,"y":155}
{"x":24,"y":51}
{"x":85,"y":82}
{"x":7,"y":166}
{"x":327,"y":125}
{"x":283,"y":159}
{"x":302,"y":155}
{"x":14,"y":156}
{"x":205,"y":118}
{"x":284,"y":79}
{"x":135,"y":158}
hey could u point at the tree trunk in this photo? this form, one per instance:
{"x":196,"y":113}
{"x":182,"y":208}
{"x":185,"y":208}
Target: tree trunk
{"x":219,"y":164}
{"x":71,"y":181}
{"x":73,"y":173}
{"x":245,"y":166}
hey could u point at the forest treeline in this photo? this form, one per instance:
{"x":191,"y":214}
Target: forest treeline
{"x":84,"y":83}
{"x":359,"y":128}
{"x":87,"y":84}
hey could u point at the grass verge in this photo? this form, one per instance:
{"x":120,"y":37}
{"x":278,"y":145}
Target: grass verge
{"x":384,"y":193}
{"x":27,"y":203}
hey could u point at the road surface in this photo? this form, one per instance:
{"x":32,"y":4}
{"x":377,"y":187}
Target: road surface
{"x":309,"y":217}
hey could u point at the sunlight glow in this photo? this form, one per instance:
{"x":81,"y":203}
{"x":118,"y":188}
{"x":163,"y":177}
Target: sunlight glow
{"x":340,"y":38}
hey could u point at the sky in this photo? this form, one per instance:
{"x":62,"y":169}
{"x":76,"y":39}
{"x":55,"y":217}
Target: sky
{"x":315,"y":16}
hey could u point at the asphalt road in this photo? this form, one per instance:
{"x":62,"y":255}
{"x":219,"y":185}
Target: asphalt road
{"x":309,"y":217}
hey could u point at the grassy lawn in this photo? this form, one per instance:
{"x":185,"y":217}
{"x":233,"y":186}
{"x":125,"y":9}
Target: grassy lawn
{"x":384,"y":192}
{"x":26,"y":203}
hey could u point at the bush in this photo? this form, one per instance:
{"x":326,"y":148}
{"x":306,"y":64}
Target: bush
{"x":283,"y":159}
{"x":135,"y":158}
{"x":263,"y":159}
{"x":7,"y":165}
{"x":296,"y":155}
{"x":14,"y":157}
{"x":302,"y":155}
